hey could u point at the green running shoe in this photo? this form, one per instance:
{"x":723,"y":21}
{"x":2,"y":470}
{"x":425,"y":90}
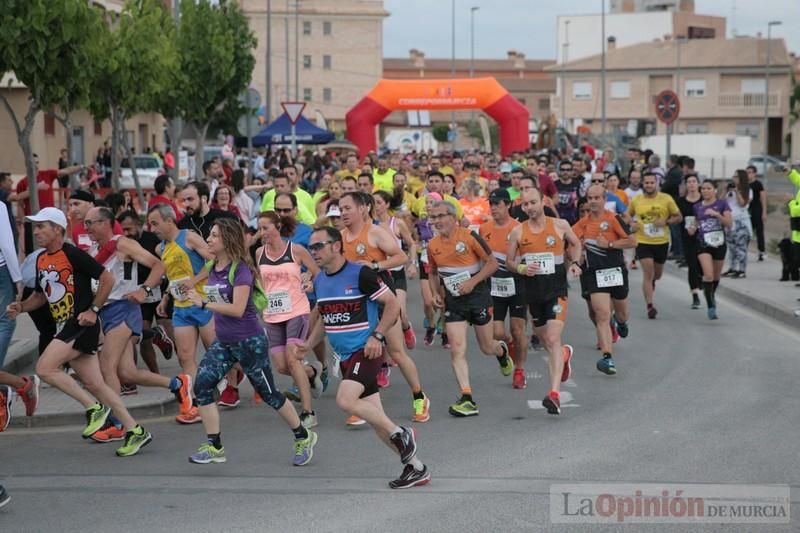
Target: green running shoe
{"x":96,"y":417}
{"x":135,"y":440}
{"x":304,"y":449}
{"x":464,"y":408}
{"x":207,"y":453}
{"x":506,"y":363}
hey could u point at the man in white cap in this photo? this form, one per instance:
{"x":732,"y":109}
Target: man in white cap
{"x":64,"y":277}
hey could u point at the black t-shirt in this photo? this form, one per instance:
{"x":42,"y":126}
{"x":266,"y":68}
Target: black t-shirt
{"x":202,"y":224}
{"x":755,"y":204}
{"x":149,"y":242}
{"x":687,"y":210}
{"x":65,"y":278}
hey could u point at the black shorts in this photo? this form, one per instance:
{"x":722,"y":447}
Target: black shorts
{"x":717,"y":252}
{"x":149,"y":312}
{"x":399,"y":277}
{"x":542,"y":311}
{"x":86,"y":337}
{"x":422,"y":268}
{"x":514,"y":305}
{"x":589,"y":285}
{"x":657,"y":252}
{"x":474,"y":308}
{"x":362,"y":370}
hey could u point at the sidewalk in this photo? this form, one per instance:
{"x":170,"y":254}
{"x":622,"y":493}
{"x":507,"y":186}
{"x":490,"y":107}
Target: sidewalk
{"x":760,"y":290}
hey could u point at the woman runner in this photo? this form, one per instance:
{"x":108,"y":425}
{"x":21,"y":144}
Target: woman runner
{"x":686,"y":205}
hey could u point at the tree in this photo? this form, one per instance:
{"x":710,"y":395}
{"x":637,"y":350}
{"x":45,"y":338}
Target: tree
{"x":46,"y":44}
{"x":215,"y":46}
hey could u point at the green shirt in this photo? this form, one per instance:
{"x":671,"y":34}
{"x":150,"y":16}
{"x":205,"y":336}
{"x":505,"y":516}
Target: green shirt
{"x":794,"y":205}
{"x":306,"y":211}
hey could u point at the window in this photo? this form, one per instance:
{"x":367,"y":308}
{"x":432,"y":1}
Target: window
{"x":695,"y":88}
{"x":306,"y":27}
{"x":306,"y":61}
{"x":326,"y":62}
{"x":544,"y":104}
{"x":307,"y":94}
{"x":748,"y":129}
{"x":754,"y":86}
{"x":620,"y":89}
{"x":98,"y":128}
{"x":326,"y":28}
{"x":581,"y":90}
{"x":49,"y":124}
{"x":327,"y":95}
{"x":697,"y":127}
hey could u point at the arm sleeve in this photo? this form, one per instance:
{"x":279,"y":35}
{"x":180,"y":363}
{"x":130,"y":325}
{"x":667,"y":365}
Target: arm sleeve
{"x":370,"y":284}
{"x":83,"y":262}
{"x":7,"y":247}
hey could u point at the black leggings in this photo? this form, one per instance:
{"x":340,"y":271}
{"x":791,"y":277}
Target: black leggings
{"x":695,"y":273}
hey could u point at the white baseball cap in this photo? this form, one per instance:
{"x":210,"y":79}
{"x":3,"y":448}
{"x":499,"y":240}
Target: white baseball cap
{"x":333,"y":211}
{"x":50,"y":214}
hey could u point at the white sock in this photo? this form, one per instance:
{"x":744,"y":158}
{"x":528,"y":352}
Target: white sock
{"x":395,"y":431}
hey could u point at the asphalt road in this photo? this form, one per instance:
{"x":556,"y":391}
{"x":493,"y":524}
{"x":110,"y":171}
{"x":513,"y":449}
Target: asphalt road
{"x":693,"y":402}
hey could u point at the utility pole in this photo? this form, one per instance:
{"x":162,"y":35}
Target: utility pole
{"x":296,"y":52}
{"x":765,"y":149}
{"x":603,"y":68}
{"x":177,"y":125}
{"x":564,"y":51}
{"x":268,"y":86}
{"x":286,"y":32}
{"x":453,"y":66}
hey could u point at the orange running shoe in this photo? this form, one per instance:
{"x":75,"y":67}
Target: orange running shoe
{"x":421,"y":409}
{"x":184,"y":393}
{"x":109,"y":434}
{"x":191,"y":417}
{"x":354,"y":421}
{"x":6,"y":398}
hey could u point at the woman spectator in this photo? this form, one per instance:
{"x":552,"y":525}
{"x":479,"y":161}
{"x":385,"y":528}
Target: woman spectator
{"x":223,"y":198}
{"x":449,"y":186}
{"x":227,"y":169}
{"x":740,"y":233}
{"x":332,"y":195}
{"x":612,"y":186}
{"x":241,"y":200}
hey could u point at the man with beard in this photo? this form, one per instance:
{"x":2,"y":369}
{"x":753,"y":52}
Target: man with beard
{"x":200,"y":216}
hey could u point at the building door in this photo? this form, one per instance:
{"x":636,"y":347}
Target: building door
{"x":775,"y":136}
{"x":77,"y":155}
{"x":143,"y":138}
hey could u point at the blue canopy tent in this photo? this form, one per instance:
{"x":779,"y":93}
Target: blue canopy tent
{"x":280,"y":132}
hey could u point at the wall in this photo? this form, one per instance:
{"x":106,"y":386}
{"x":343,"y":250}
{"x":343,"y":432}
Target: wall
{"x":709,"y":151}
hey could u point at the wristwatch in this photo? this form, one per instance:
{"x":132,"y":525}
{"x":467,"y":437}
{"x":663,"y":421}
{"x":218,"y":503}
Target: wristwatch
{"x":610,"y":244}
{"x":94,"y":309}
{"x":148,"y":291}
{"x":376,"y":266}
{"x":379,"y":336}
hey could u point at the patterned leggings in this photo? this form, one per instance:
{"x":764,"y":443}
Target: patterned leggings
{"x":251,"y":353}
{"x":738,"y":240}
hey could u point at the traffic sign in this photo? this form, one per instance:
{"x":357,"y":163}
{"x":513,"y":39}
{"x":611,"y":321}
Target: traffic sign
{"x":248,"y":126}
{"x":668,"y":107}
{"x":293,"y":109}
{"x":250,"y":99}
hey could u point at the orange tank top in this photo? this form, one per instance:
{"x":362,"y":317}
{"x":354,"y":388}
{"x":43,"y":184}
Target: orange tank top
{"x":359,"y":249}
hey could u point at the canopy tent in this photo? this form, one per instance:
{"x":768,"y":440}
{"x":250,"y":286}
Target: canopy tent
{"x":280,"y":132}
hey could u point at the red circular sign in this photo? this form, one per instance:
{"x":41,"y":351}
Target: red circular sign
{"x":668,"y":107}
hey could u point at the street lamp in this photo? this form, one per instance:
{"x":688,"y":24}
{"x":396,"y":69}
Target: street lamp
{"x":453,"y":63}
{"x":564,"y":51}
{"x":603,"y":67}
{"x":766,"y":97}
{"x":472,"y":11}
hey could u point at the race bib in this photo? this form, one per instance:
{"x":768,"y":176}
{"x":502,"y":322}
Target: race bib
{"x":545,"y":261}
{"x":176,"y":290}
{"x":213,"y":296}
{"x":651,"y":230}
{"x":691,"y":222}
{"x":452,"y":283}
{"x":714,"y":239}
{"x":609,"y":277}
{"x":278,"y":302}
{"x":503,"y":287}
{"x":424,"y":255}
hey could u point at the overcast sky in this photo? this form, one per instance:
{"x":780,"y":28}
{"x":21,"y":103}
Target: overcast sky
{"x":529,"y":26}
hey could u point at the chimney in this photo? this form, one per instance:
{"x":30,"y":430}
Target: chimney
{"x":519,"y":61}
{"x":417,"y":58}
{"x":612,"y":43}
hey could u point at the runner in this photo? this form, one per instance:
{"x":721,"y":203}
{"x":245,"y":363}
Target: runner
{"x":288,"y":309}
{"x":228,"y":295}
{"x":121,"y":316}
{"x":184,"y":253}
{"x":604,"y":280}
{"x":536,"y":251}
{"x":568,"y":192}
{"x":506,"y":289}
{"x":348,"y":298}
{"x":369,"y":245}
{"x":686,"y":205}
{"x":711,"y":217}
{"x":425,"y":234}
{"x":465,"y":262}
{"x":64,"y":275}
{"x":653,"y":212}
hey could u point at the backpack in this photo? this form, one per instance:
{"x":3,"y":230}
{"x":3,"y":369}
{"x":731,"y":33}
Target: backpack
{"x":257,"y":295}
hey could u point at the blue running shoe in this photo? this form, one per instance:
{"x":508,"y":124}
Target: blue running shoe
{"x":606,"y":366}
{"x":712,"y":313}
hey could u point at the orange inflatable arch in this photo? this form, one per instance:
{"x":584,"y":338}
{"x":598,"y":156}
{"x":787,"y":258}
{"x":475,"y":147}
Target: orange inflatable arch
{"x":471,"y":93}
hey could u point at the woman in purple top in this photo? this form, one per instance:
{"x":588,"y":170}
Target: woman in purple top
{"x":711,"y":217}
{"x":240,"y":339}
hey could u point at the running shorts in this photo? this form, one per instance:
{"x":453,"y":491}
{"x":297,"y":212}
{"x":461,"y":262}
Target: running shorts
{"x":589,"y":285}
{"x":292,"y":331}
{"x":121,"y":312}
{"x":542,"y":311}
{"x":86,"y":337}
{"x":190,"y":316}
{"x":362,"y":370}
{"x":657,"y":252}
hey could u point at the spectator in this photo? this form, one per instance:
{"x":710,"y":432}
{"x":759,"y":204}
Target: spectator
{"x":758,"y":209}
{"x":223,"y":200}
{"x":740,"y":233}
{"x":241,"y":200}
{"x":165,"y":194}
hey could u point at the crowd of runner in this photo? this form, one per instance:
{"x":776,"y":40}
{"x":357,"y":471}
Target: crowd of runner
{"x":305,"y":269}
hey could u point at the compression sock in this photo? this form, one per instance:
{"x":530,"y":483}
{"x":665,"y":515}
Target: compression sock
{"x":708,"y":292}
{"x":300,"y":432}
{"x":419,"y":395}
{"x":215,"y":440}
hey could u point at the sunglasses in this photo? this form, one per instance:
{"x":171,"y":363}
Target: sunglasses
{"x":317,"y":246}
{"x":598,"y":181}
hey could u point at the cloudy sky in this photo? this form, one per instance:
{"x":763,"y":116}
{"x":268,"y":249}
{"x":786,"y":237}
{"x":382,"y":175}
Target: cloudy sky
{"x":529,"y":26}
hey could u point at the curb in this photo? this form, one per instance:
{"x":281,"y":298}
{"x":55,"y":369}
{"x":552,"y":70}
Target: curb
{"x":768,"y":309}
{"x":141,"y":412}
{"x":30,"y":353}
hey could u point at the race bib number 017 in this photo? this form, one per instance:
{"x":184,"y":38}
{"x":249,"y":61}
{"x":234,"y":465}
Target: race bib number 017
{"x":609,"y":277}
{"x":546,"y":262}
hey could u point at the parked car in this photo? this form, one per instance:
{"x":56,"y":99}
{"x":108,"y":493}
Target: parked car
{"x":772,"y":162}
{"x":148,"y":168}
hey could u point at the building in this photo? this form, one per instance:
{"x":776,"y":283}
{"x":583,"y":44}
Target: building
{"x":334,"y":48}
{"x":720,"y":82}
{"x":638,"y":6}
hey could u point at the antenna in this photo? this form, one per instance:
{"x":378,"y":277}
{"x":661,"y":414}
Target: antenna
{"x":733,"y":19}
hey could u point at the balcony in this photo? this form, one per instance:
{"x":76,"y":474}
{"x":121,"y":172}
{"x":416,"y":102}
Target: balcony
{"x":747,"y":100}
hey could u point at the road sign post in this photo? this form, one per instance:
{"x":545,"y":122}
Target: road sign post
{"x":293,"y":110}
{"x":668,"y":107}
{"x":250,"y":99}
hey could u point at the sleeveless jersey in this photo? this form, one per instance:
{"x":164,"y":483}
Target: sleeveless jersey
{"x":547,"y":249}
{"x":126,"y":276}
{"x":282,"y":284}
{"x":359,"y":248}
{"x":504,"y":284}
{"x":181,"y":263}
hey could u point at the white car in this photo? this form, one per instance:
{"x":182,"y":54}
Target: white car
{"x":772,"y":162}
{"x":148,"y":168}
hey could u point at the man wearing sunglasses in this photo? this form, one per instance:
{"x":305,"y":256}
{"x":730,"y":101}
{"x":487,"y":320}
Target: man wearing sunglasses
{"x":568,"y":192}
{"x":286,"y":181}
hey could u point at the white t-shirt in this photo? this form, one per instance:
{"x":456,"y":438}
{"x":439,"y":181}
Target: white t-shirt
{"x":633,"y":193}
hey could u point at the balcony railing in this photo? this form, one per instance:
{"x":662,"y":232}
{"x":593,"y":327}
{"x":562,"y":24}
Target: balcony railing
{"x":748,"y":99}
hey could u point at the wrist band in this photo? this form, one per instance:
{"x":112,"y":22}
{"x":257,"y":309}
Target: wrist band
{"x":521,"y":269}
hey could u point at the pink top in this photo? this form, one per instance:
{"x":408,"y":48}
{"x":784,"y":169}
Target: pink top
{"x":280,"y":278}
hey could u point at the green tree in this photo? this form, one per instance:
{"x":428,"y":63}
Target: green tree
{"x":440,"y":132}
{"x":46,"y":45}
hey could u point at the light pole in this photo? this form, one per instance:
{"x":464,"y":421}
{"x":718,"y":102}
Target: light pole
{"x":765,"y":149}
{"x":286,"y":33}
{"x":603,"y":68}
{"x":472,"y":11}
{"x":296,"y":52}
{"x":564,"y":51}
{"x":679,"y":41}
{"x":268,"y":66}
{"x":453,"y":64}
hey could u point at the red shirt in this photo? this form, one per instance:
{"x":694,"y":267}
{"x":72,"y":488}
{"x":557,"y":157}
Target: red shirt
{"x":81,"y":237}
{"x":547,"y":186}
{"x":161,"y":199}
{"x":45,"y":196}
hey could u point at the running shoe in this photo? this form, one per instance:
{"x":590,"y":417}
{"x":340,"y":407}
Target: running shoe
{"x":316,"y":381}
{"x":552,"y":402}
{"x":257,"y":398}
{"x":110,"y":433}
{"x":207,"y":454}
{"x":405,"y":443}
{"x":6,"y":399}
{"x":411,"y":478}
{"x":445,"y":342}
{"x":323,"y":377}
{"x":184,"y":393}
{"x":463,"y":408}
{"x":191,"y":417}
{"x":128,"y":390}
{"x":506,"y":363}
{"x":606,"y":366}
{"x":96,"y":418}
{"x":421,"y":409}
{"x":535,"y":344}
{"x":229,"y":397}
{"x":429,"y":333}
{"x":410,"y":337}
{"x":614,"y":333}
{"x":519,"y":381}
{"x":634,"y":265}
{"x":164,"y":343}
{"x":304,"y":449}
{"x":712,"y":313}
{"x":425,"y":323}
{"x":567,"y":371}
{"x":293,"y":393}
{"x":383,"y":376}
{"x":695,"y":301}
{"x":135,"y":440}
{"x":622,"y":329}
{"x":308,"y":420}
{"x":30,"y":394}
{"x":651,"y":312}
{"x":440,"y":324}
{"x":4,"y":497}
{"x":354,"y":421}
